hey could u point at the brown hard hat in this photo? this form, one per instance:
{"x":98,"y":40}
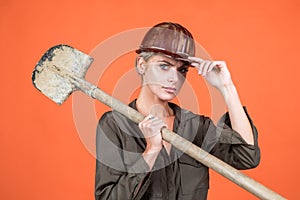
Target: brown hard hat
{"x":169,"y":38}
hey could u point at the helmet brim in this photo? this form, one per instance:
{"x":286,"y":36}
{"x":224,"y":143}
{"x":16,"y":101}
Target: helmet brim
{"x":175,"y":56}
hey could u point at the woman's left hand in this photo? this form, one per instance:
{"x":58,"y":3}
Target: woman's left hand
{"x":216,"y":73}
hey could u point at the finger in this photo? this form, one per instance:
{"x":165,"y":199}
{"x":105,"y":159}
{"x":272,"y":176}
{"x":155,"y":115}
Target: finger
{"x":155,"y":121}
{"x":150,"y":117}
{"x":200,"y":70}
{"x":211,"y":67}
{"x":205,"y":68}
{"x":220,"y":64}
{"x":196,"y":65}
{"x":157,"y":124}
{"x":151,"y":123}
{"x":143,"y":124}
{"x":195,"y":59}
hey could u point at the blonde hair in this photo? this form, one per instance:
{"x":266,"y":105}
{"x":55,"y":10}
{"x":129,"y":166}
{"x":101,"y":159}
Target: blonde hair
{"x":145,"y":55}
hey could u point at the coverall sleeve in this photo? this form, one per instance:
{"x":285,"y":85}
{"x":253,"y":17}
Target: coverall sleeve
{"x":114,"y":179}
{"x":228,"y":145}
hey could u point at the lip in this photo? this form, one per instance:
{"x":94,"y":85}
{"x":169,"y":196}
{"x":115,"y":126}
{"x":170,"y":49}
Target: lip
{"x":169,"y":89}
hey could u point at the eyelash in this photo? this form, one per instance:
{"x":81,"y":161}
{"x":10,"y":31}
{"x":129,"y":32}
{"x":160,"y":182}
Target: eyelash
{"x":182,"y":70}
{"x":164,"y":66}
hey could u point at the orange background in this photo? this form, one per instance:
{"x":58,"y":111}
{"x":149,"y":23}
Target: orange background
{"x":41,"y":154}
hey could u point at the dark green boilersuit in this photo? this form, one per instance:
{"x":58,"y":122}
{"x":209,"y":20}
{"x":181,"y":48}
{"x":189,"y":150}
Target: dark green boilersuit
{"x":122,"y":173}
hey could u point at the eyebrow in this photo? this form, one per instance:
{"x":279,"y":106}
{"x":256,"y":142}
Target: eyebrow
{"x":167,"y":62}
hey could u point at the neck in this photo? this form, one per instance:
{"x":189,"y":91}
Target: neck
{"x":151,"y":104}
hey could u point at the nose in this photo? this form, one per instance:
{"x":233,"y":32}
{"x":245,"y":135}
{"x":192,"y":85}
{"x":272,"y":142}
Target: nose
{"x":173,"y":75}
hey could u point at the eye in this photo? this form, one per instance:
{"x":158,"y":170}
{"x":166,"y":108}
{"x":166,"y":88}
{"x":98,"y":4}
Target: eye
{"x":164,"y":66}
{"x":183,"y":70}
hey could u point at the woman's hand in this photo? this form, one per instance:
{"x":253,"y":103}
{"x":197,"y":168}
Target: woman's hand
{"x":215,"y":73}
{"x":151,"y":128}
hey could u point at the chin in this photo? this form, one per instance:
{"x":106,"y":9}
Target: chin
{"x":167,"y":97}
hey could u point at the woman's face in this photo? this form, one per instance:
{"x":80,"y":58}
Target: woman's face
{"x":164,"y":76}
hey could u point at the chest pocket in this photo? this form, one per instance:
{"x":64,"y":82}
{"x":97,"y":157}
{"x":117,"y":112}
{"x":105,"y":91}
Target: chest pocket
{"x":193,"y":175}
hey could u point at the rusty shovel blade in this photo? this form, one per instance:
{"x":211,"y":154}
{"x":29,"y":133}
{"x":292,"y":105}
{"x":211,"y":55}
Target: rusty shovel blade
{"x":52,"y":73}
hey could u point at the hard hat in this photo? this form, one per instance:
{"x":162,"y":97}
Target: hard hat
{"x":169,"y":38}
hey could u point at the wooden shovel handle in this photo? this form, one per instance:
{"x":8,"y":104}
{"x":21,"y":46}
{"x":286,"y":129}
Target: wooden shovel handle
{"x":182,"y":144}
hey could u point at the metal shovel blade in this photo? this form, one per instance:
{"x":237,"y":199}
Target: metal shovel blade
{"x":54,"y":71}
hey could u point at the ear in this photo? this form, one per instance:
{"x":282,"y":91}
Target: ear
{"x":140,"y":66}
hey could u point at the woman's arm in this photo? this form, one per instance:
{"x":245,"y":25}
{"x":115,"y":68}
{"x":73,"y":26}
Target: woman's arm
{"x":217,"y":74}
{"x":237,"y":115}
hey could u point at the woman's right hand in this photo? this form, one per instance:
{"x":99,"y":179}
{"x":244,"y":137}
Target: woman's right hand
{"x":151,"y":128}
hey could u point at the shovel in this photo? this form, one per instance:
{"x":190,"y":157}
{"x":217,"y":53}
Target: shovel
{"x":61,"y":71}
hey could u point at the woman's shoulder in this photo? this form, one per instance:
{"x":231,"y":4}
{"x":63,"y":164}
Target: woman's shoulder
{"x":106,"y":115}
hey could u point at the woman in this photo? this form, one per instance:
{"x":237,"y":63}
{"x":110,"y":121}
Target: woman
{"x":133,"y":162}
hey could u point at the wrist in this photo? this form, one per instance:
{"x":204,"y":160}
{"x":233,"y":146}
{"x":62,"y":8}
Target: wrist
{"x":150,"y":154}
{"x":231,"y":96}
{"x":152,"y":149}
{"x":228,"y":89}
